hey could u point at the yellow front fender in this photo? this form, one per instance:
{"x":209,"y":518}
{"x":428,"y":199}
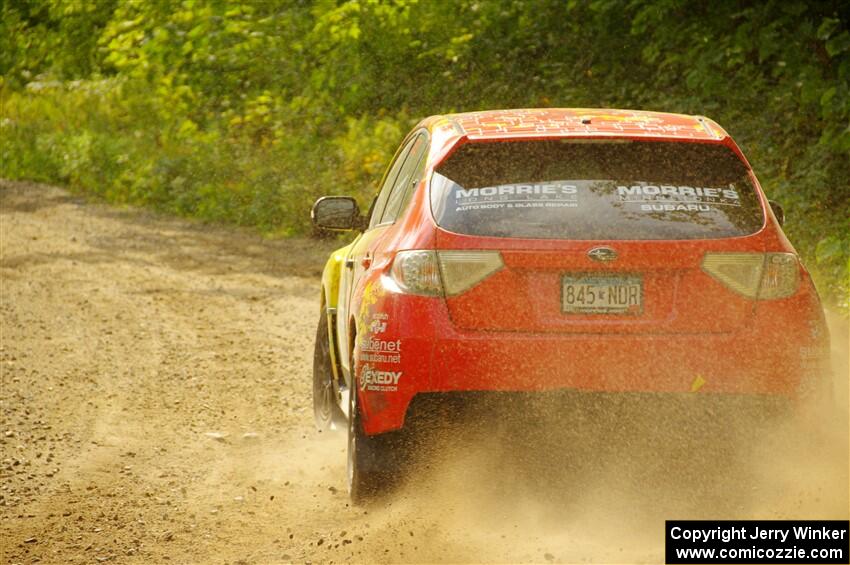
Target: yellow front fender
{"x":331,"y":275}
{"x":330,"y":296}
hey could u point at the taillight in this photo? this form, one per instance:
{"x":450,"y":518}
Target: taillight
{"x":739,"y":271}
{"x":438,"y":273}
{"x":762,"y":276}
{"x":780,"y":277}
{"x":417,"y":272}
{"x":462,"y":270}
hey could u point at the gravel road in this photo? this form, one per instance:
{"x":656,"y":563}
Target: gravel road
{"x":155,"y":407}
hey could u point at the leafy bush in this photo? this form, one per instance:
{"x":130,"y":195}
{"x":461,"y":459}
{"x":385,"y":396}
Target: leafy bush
{"x":245,"y":111}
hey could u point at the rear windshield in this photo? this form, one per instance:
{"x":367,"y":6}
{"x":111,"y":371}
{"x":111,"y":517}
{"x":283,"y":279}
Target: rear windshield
{"x":595,"y":190}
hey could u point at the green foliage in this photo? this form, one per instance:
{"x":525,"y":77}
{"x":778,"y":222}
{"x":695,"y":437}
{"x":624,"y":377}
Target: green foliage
{"x":245,"y":111}
{"x":56,"y":36}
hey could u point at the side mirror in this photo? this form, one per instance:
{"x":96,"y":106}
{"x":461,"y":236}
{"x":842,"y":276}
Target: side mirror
{"x":337,"y":213}
{"x":777,"y":211}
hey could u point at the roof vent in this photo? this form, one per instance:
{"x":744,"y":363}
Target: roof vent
{"x":585,"y":121}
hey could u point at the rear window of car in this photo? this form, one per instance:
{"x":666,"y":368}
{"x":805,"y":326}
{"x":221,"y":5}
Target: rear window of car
{"x":592,"y":189}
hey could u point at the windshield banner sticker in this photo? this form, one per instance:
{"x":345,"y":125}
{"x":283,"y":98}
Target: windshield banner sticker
{"x":539,"y":195}
{"x":670,"y":198}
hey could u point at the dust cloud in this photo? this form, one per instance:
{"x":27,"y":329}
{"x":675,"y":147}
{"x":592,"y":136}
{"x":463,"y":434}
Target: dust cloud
{"x":572,"y":480}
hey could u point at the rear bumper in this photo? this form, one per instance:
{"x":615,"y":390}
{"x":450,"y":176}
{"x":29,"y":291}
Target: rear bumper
{"x":706,"y":364}
{"x":571,"y":409}
{"x":772,"y":357}
{"x":720,"y":369}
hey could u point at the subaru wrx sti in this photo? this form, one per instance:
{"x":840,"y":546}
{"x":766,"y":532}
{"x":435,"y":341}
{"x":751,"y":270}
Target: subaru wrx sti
{"x":530,"y":251}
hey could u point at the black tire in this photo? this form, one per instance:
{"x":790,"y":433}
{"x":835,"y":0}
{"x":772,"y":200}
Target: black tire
{"x":373,"y":461}
{"x":326,"y":411}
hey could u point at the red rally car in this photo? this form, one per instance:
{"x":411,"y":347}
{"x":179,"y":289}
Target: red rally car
{"x":558,"y":249}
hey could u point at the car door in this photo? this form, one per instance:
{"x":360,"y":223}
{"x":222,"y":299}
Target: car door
{"x":360,"y":255}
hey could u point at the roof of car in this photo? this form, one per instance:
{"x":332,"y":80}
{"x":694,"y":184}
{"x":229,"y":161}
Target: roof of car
{"x":540,"y":122}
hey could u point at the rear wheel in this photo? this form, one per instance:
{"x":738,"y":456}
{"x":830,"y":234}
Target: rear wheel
{"x":373,"y":461}
{"x":364,"y":455}
{"x":325,"y":409}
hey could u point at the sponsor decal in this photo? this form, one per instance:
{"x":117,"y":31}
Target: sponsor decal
{"x":369,"y":343}
{"x":381,"y":357}
{"x":517,"y":189}
{"x":675,"y":208}
{"x":651,"y":191}
{"x":379,"y":381}
{"x":671,"y":198}
{"x":371,"y":294}
{"x":527,"y":195}
{"x":814,"y":358}
{"x":378,"y":350}
{"x":378,"y":325}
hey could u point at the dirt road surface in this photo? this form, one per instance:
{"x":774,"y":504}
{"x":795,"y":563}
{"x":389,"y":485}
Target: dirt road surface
{"x":155,"y":407}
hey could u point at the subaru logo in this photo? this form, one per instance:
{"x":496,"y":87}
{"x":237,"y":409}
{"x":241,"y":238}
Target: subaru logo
{"x":602,"y":254}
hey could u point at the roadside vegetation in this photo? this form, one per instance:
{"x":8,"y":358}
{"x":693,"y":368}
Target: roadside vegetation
{"x":245,"y":112}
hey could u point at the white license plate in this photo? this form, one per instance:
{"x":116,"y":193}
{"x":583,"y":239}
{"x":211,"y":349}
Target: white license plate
{"x":588,"y":294}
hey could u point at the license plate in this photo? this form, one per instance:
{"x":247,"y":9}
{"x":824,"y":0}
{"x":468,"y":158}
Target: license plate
{"x":585,"y":294}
